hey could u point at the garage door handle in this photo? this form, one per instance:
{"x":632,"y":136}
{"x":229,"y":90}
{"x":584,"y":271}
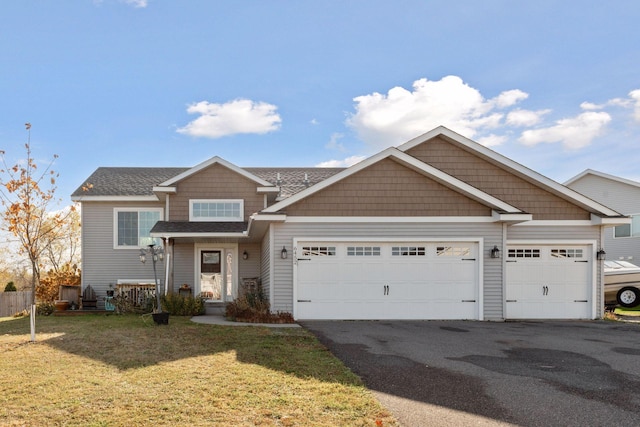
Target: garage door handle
{"x":580,"y":300}
{"x":468,"y":300}
{"x":468,"y":259}
{"x":512,"y":300}
{"x":304,"y":259}
{"x":581,"y":261}
{"x":304,"y":300}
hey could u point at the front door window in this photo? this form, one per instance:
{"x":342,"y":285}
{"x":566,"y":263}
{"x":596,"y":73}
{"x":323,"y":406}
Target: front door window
{"x":211,"y":278}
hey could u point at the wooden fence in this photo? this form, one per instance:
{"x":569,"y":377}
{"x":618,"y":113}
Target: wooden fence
{"x":14,"y":302}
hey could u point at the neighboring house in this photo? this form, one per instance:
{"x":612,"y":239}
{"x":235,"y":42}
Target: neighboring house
{"x":623,"y":195}
{"x":438,"y":228}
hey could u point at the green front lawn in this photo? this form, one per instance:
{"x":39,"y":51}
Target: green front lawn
{"x":99,"y":370}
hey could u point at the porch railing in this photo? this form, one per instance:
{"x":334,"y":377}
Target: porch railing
{"x":139,"y":295}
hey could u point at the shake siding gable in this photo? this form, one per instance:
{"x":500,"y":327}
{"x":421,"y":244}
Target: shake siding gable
{"x":494,"y":180}
{"x":387,"y":188}
{"x":214,"y":182}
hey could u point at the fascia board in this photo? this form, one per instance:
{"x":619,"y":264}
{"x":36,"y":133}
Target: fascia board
{"x":115,"y":199}
{"x":535,"y":176}
{"x":172,"y":190}
{"x":511,"y":217}
{"x":197,"y":235}
{"x":604,"y":176}
{"x":213,"y":161}
{"x":271,"y":189}
{"x":621,"y":220}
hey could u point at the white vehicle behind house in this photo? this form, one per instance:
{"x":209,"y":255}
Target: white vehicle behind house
{"x":621,"y":283}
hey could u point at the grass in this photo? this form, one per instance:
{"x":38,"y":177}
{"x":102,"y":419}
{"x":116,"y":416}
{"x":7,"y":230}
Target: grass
{"x":635,"y":311}
{"x":99,"y":370}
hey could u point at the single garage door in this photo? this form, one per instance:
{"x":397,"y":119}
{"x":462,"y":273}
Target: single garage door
{"x":364,"y":280}
{"x":549,"y":282}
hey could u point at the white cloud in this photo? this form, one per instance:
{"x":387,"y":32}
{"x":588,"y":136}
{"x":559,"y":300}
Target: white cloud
{"x":334,"y":143}
{"x":384,"y":120}
{"x":509,"y":98}
{"x":136,"y":3}
{"x":345,"y":163}
{"x":492,"y":140}
{"x":574,"y":133}
{"x":635,"y":96}
{"x":521,"y":118}
{"x":234,"y":117}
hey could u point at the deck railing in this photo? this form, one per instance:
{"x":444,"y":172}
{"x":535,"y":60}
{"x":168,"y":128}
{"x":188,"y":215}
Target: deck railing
{"x":137,"y":294}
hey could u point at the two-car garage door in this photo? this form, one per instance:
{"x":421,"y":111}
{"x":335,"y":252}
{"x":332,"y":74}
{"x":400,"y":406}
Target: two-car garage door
{"x":387,"y":280}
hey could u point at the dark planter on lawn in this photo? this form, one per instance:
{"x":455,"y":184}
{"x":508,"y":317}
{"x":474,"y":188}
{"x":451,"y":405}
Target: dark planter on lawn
{"x":161,"y":318}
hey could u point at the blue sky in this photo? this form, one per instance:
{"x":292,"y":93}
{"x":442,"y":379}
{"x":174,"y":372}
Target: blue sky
{"x":554,"y":85}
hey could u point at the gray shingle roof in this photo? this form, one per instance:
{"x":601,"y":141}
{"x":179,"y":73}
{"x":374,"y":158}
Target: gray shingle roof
{"x":108,"y":181}
{"x":131,"y":181}
{"x":199,"y":227}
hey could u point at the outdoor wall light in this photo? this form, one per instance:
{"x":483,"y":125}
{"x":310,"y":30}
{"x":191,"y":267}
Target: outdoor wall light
{"x":283,"y":253}
{"x":495,"y":252}
{"x":245,"y":255}
{"x":601,"y":255}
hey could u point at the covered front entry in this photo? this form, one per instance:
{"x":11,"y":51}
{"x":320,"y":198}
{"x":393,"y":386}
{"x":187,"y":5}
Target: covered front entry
{"x":549,"y":281}
{"x":387,"y":280}
{"x":215,"y":272}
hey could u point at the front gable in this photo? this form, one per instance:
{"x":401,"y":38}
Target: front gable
{"x":494,"y":179}
{"x":215,"y":182}
{"x":387,"y":189}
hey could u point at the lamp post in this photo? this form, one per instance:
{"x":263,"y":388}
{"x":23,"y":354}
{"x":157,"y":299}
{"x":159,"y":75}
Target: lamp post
{"x":156,"y":254}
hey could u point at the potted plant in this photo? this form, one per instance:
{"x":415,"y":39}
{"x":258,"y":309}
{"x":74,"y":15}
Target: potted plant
{"x":110,"y":291}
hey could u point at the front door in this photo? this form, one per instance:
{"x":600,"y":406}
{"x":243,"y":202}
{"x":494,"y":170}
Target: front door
{"x":211,"y":275}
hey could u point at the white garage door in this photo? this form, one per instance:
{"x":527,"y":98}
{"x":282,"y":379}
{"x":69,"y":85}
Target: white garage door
{"x":356,"y":280}
{"x":549,"y":282}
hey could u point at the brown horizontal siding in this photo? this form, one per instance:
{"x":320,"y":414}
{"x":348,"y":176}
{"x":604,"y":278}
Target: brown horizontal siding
{"x":387,"y":189}
{"x":214,"y":182}
{"x":492,"y":179}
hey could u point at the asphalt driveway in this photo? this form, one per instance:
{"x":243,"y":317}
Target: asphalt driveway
{"x":440,"y":373}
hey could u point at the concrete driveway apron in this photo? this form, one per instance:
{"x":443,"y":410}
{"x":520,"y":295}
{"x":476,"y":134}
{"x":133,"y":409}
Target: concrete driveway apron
{"x":453,"y":373}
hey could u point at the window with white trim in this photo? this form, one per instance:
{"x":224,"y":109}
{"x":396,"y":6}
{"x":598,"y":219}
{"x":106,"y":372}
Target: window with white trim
{"x":132,"y":226}
{"x":628,"y":230}
{"x":216,"y":210}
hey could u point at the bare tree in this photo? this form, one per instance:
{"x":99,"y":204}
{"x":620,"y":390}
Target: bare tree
{"x":26,"y":203}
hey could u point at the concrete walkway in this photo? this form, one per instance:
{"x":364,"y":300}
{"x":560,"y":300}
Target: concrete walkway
{"x":210,"y":319}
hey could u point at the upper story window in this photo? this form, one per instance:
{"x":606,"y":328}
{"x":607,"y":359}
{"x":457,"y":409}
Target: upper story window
{"x":628,"y":230}
{"x":216,"y":210}
{"x":132,"y":226}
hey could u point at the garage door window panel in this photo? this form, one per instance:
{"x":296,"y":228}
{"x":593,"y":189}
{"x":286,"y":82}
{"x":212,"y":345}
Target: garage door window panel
{"x":408,"y":251}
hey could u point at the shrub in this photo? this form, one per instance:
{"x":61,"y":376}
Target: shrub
{"x":182,"y":305}
{"x":45,"y":308}
{"x":10,"y":287}
{"x":253,"y":307}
